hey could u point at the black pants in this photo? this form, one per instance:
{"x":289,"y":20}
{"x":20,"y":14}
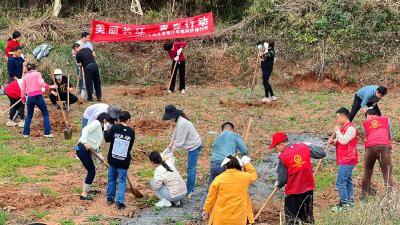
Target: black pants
{"x":92,"y":77}
{"x":20,"y":107}
{"x":267,"y":85}
{"x":181,"y":68}
{"x":63,"y":97}
{"x":87,"y":162}
{"x":357,"y":106}
{"x":299,"y":208}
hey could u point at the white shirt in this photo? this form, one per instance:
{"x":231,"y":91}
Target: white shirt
{"x":92,"y":134}
{"x":92,"y":112}
{"x":346,"y":137}
{"x":85,"y":45}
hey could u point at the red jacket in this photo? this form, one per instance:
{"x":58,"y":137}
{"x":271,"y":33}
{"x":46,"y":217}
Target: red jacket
{"x":13,"y":90}
{"x":175,"y":48}
{"x":11,"y":44}
{"x":347,"y":154}
{"x":377,"y":131}
{"x":297,"y":160}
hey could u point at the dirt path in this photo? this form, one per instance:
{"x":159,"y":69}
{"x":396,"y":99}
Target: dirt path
{"x":190,"y":211}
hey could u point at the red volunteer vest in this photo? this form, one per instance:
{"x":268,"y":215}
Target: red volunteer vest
{"x":347,"y":154}
{"x":297,"y":160}
{"x":377,"y":131}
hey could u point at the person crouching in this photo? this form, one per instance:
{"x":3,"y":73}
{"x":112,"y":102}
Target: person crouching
{"x":13,"y":92}
{"x":63,"y":89}
{"x":167,"y":183}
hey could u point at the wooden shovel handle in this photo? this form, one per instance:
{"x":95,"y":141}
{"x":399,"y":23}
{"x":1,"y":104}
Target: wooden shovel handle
{"x":265,"y":203}
{"x":134,"y":191}
{"x":320,"y":161}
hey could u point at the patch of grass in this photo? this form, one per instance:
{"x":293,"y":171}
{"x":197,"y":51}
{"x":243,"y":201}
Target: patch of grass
{"x":145,"y":173}
{"x":67,"y":222}
{"x":48,"y":192}
{"x":179,"y":223}
{"x":9,"y":164}
{"x":3,"y":217}
{"x":78,"y":190}
{"x":5,"y":135}
{"x":39,"y":214}
{"x":187,"y":216}
{"x":96,"y":218}
{"x":323,"y":181}
{"x":25,"y":179}
{"x":152,"y":201}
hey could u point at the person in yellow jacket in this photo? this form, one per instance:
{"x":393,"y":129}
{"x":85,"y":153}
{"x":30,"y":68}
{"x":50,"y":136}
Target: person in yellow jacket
{"x":227,"y":199}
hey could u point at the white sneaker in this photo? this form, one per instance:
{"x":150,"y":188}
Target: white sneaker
{"x":26,"y":136}
{"x":183,"y":91}
{"x":169,"y":91}
{"x":48,"y":135}
{"x":273,"y":98}
{"x":265,"y":100}
{"x":21,"y":123}
{"x":190,"y":195}
{"x":163,"y":203}
{"x":11,"y":123}
{"x":178,"y":203}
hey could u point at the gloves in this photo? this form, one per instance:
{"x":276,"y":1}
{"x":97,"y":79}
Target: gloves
{"x":259,"y":47}
{"x":179,"y":51}
{"x":266,"y":45}
{"x":23,"y":100}
{"x":307,"y":143}
{"x":107,"y":126}
{"x":245,"y":160}
{"x":276,"y":184}
{"x":176,"y":58}
{"x":166,"y":151}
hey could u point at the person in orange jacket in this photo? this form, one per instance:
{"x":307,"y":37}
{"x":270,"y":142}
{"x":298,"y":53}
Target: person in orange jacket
{"x":295,"y":173}
{"x":227,"y":199}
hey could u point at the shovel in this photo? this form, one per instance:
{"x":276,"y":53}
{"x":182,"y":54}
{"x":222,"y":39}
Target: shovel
{"x":67,"y":130}
{"x":68,"y":93}
{"x":83,"y":92}
{"x":172,"y":75}
{"x":1,"y":114}
{"x":134,"y":191}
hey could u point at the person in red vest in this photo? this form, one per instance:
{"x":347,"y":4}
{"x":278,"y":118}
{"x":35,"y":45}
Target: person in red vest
{"x":377,"y":144}
{"x":12,"y":43}
{"x":295,"y":173}
{"x":175,"y":53}
{"x":346,"y":158}
{"x":13,"y":92}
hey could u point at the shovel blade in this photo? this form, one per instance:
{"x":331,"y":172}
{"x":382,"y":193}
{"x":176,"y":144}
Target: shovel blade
{"x":68,"y":134}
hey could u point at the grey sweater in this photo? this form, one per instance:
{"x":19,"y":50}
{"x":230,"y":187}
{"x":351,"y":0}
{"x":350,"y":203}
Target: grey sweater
{"x":185,"y":135}
{"x":317,"y":152}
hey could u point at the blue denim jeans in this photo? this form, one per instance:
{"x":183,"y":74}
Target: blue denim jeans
{"x":344,"y":183}
{"x":80,"y":77}
{"x":41,"y":104}
{"x":86,"y":159}
{"x":114,"y":174}
{"x":215,"y":170}
{"x":191,"y":169}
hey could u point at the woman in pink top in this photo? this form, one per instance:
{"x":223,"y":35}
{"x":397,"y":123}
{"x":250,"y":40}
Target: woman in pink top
{"x":32,"y":86}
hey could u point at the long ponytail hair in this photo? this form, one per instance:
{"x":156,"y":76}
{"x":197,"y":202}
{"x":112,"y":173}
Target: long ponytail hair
{"x":156,"y":158}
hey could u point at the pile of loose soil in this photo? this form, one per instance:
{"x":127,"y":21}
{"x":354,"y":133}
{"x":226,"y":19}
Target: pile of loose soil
{"x":13,"y":199}
{"x":56,"y":120}
{"x":158,"y":90}
{"x":237,"y":104}
{"x":150,"y":126}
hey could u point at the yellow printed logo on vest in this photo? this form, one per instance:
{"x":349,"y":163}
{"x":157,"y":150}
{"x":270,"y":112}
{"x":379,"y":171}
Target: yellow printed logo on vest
{"x":375,"y":124}
{"x":298,"y":161}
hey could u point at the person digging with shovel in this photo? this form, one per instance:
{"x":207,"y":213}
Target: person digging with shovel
{"x":266,"y":52}
{"x":91,"y":138}
{"x":378,"y":147}
{"x":295,"y":173}
{"x":63,"y":89}
{"x":13,"y":92}
{"x":175,"y":53}
{"x":121,"y":138}
{"x":228,"y":193}
{"x":32,"y":86}
{"x":92,"y":112}
{"x":346,"y":158}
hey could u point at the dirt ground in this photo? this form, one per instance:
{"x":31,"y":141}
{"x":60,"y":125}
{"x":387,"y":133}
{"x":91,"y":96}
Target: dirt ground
{"x":56,"y":191}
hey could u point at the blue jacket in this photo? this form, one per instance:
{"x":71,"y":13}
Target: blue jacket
{"x":15,"y":67}
{"x":227,"y":143}
{"x":368,"y":94}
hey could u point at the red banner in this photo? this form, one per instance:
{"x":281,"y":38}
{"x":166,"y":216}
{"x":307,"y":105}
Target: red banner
{"x":103,"y":31}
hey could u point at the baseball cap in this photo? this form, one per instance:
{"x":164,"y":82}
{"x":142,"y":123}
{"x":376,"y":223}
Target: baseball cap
{"x":277,"y":138}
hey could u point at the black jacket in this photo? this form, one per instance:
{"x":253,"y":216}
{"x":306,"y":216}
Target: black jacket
{"x":121,"y":138}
